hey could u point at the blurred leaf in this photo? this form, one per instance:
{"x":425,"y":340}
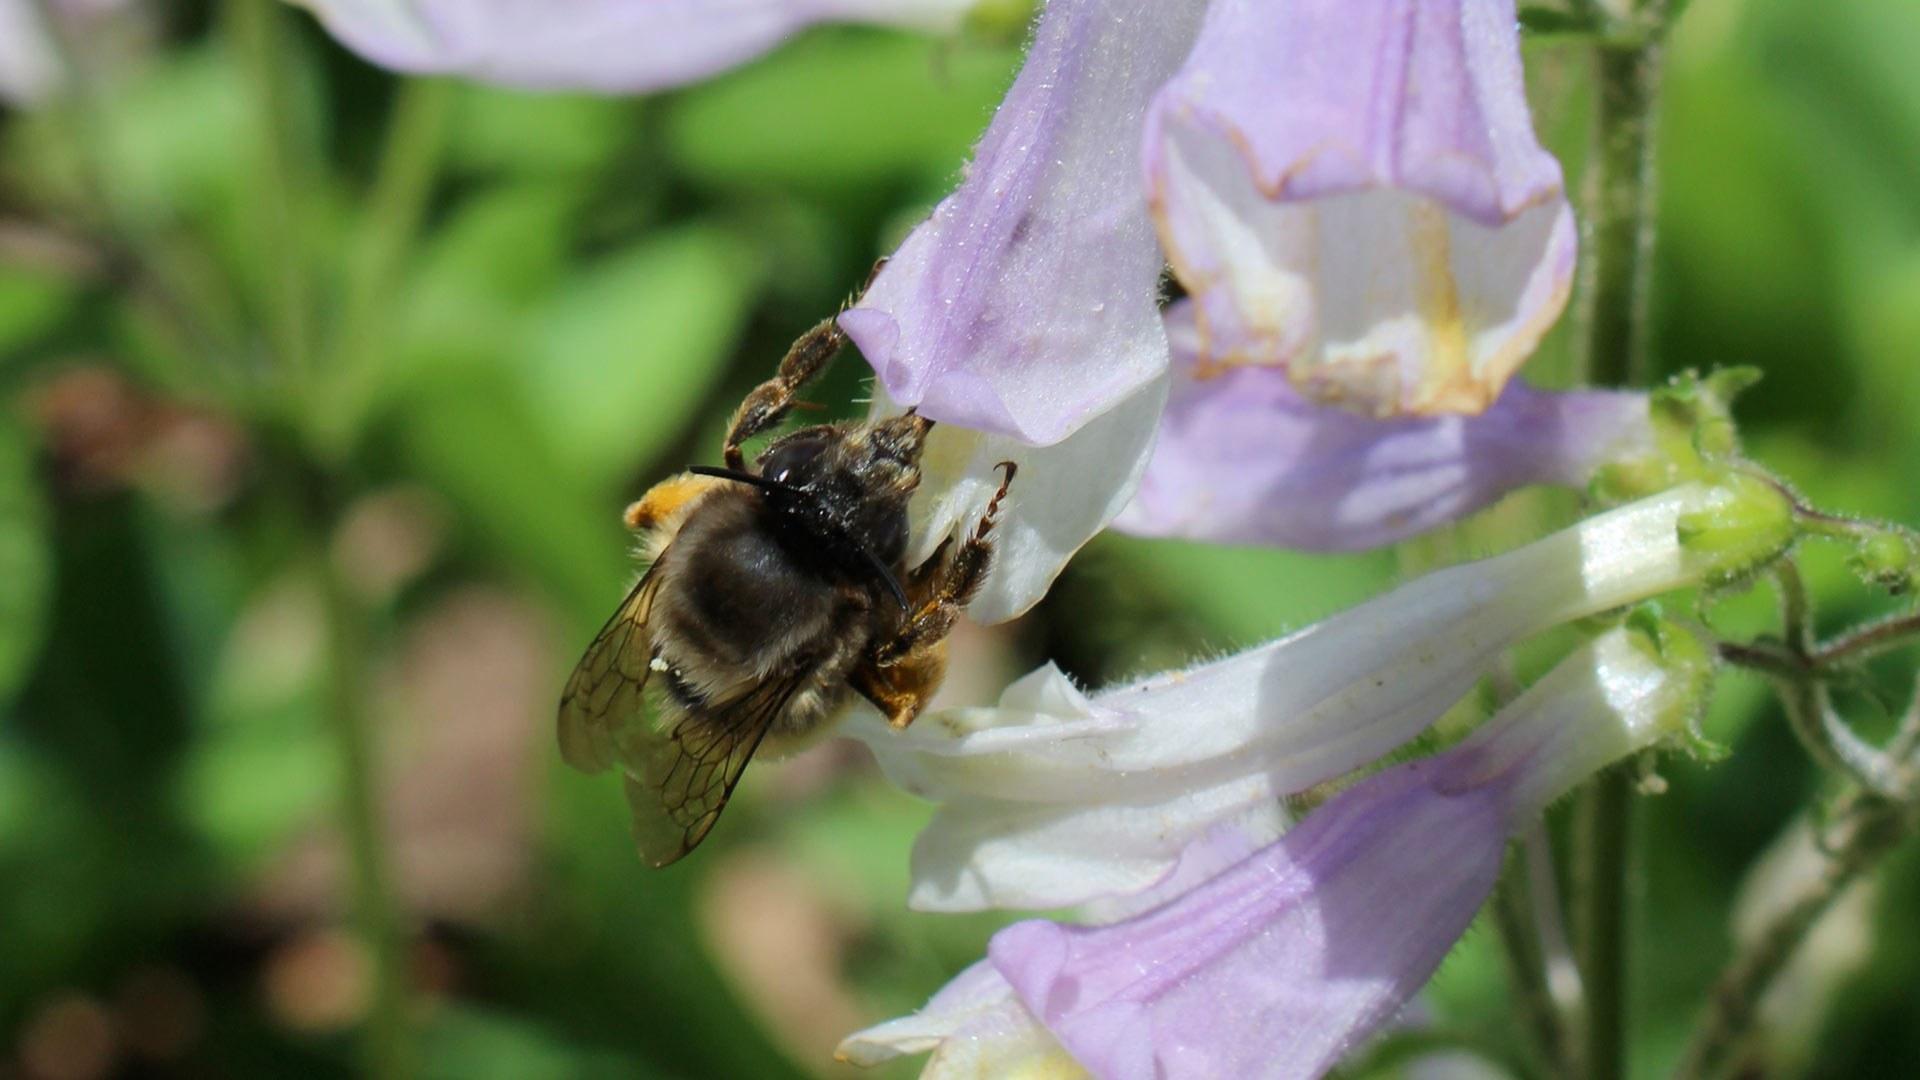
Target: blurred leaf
{"x":30,"y":304}
{"x":536,"y":134}
{"x":472,"y":1044}
{"x":839,"y":110}
{"x":619,"y":358}
{"x":470,"y":435}
{"x":26,"y":567}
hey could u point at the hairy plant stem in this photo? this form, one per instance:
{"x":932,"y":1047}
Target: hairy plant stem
{"x":1865,"y":829}
{"x":387,"y":1049}
{"x":1615,"y":285}
{"x":1520,"y":940}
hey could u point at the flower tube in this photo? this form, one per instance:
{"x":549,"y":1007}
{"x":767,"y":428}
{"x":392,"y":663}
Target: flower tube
{"x":1242,"y":458}
{"x":1281,"y":963}
{"x":1274,"y":962}
{"x":1054,"y":797}
{"x":1352,"y":189}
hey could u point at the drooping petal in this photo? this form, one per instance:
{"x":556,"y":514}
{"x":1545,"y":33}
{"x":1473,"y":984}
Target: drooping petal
{"x":1117,"y":783}
{"x":977,"y":1027}
{"x":1352,"y":189}
{"x":1061,"y":496}
{"x":612,"y":46}
{"x":1243,"y":458}
{"x":1027,"y":304}
{"x":1282,"y":963}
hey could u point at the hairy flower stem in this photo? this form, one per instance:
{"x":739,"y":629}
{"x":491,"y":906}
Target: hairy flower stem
{"x":1866,"y":829}
{"x":388,"y":1054}
{"x":1616,"y":278}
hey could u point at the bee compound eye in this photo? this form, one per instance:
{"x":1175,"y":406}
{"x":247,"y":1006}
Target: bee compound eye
{"x":791,"y":462}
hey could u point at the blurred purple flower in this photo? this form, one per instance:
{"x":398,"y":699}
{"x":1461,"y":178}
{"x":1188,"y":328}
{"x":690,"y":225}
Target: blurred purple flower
{"x":1279,"y":965}
{"x":30,"y":63}
{"x":1352,"y":189}
{"x":613,"y":46}
{"x":1243,"y":459}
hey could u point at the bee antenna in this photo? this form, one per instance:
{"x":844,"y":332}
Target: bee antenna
{"x":740,"y":477}
{"x":886,"y":578}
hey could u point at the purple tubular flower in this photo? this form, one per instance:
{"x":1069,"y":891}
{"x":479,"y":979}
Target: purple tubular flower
{"x":1027,"y":304}
{"x":1352,"y":189}
{"x":1242,"y":458}
{"x":611,"y":46}
{"x":1280,"y":964}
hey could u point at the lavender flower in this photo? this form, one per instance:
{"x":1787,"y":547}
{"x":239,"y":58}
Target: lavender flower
{"x":1352,"y":189}
{"x":1054,"y":797}
{"x":614,"y":46}
{"x":1277,"y":963}
{"x":1242,"y":458}
{"x":30,"y":64}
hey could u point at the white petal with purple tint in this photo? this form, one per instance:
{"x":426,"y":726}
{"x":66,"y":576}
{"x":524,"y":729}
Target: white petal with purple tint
{"x":1352,"y":189}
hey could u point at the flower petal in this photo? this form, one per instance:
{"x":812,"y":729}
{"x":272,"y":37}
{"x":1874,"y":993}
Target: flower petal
{"x":30,"y":65}
{"x":1027,"y":304}
{"x":1063,"y":494}
{"x":1352,"y":189}
{"x":613,"y":46}
{"x":1242,"y":458}
{"x":975,"y":1027}
{"x":1281,"y":963}
{"x":1049,"y":766}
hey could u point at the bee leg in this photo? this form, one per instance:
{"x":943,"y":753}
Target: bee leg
{"x":901,"y":690}
{"x":958,"y":577}
{"x":769,"y":403}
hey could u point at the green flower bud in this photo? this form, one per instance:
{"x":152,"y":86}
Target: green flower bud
{"x":1887,"y":559}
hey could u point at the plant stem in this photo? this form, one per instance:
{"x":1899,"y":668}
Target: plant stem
{"x":409,"y":161}
{"x":1615,"y":285}
{"x":388,"y":1043}
{"x":1526,"y":965}
{"x":280,"y":230}
{"x":1868,"y":827}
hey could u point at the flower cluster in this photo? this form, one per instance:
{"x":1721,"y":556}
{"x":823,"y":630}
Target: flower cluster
{"x":1369,"y":240}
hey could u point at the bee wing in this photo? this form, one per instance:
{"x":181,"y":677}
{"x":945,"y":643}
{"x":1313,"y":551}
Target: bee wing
{"x":687,"y":771}
{"x":604,"y":702}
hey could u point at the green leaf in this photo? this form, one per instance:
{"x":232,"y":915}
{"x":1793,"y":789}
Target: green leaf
{"x":26,"y":564}
{"x":616,"y":363}
{"x":30,"y":304}
{"x":841,"y":109}
{"x":536,"y":134}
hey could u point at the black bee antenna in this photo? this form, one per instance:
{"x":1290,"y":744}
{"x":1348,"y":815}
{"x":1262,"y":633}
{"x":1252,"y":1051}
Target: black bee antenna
{"x":752,"y":479}
{"x":767,"y":483}
{"x":886,"y":577}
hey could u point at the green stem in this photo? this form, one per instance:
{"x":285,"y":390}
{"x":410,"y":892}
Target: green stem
{"x":1526,"y":966}
{"x":1616,"y":278}
{"x":388,"y":1048}
{"x":1868,"y":829}
{"x":282,"y":188}
{"x":409,"y":161}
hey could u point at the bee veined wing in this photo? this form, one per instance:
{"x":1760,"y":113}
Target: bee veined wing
{"x":604,"y":707}
{"x":686,"y":774}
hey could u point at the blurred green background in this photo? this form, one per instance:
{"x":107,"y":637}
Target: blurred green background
{"x":321,"y":392}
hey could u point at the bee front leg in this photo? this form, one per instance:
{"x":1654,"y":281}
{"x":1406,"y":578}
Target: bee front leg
{"x":806,"y":358}
{"x":953,"y":585}
{"x":901,"y":690}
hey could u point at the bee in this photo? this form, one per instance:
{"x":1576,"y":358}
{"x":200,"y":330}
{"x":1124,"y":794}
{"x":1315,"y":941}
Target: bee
{"x":775,"y":594}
